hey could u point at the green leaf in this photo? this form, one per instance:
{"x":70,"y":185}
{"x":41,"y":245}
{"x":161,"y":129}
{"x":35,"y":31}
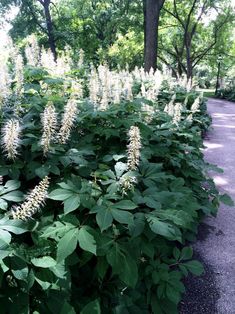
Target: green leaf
{"x":3,"y":204}
{"x":11,"y":185}
{"x":155,"y":304}
{"x":67,"y":244}
{"x":129,"y":273}
{"x":183,"y":269}
{"x":226,"y":199}
{"x":186,"y":253}
{"x":44,"y":262}
{"x":122,"y":216}
{"x":194,"y":267}
{"x":102,"y":267}
{"x":5,"y":238}
{"x":19,"y":268}
{"x":155,"y":277}
{"x":120,"y":168}
{"x":67,"y":309}
{"x":4,"y":253}
{"x":176,"y":253}
{"x":115,"y":259}
{"x":92,"y":308}
{"x":172,"y":294}
{"x":16,"y":226}
{"x":104,"y":218}
{"x":162,"y":228}
{"x":60,"y":194}
{"x":125,"y":204}
{"x":14,"y":196}
{"x":86,"y":240}
{"x":71,"y":203}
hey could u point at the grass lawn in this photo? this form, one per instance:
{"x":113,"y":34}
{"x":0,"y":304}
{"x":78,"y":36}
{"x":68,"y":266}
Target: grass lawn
{"x":207,"y":92}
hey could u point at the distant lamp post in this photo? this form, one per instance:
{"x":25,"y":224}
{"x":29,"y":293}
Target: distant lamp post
{"x":218,"y":75}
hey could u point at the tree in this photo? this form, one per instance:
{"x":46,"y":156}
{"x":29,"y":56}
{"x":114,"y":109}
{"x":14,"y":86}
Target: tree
{"x":152,"y":9}
{"x":191,"y":37}
{"x":49,"y":26}
{"x":33,"y":16}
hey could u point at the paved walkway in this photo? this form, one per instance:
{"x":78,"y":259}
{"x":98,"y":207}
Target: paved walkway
{"x":214,"y":293}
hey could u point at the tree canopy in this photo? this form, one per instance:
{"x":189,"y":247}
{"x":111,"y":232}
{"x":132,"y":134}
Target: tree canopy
{"x":182,"y":35}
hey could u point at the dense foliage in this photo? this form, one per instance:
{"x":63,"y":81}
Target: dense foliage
{"x":227,"y":93}
{"x":127,"y":188}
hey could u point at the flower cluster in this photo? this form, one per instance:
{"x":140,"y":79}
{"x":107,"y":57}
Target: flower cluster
{"x":19,"y":75}
{"x":127,"y":183}
{"x":11,"y":138}
{"x":68,"y":120}
{"x":148,"y":111}
{"x":49,"y":122}
{"x":32,"y":51}
{"x":170,"y":108}
{"x":177,"y":113}
{"x":4,"y":78}
{"x":33,"y":201}
{"x":59,"y":67}
{"x":134,"y":148}
{"x":196,"y":105}
{"x":107,"y":86}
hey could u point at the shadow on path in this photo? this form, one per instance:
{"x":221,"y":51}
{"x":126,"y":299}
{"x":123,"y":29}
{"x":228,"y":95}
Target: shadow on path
{"x":202,"y":292}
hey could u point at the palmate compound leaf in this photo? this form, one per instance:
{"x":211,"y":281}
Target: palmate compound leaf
{"x":68,"y":243}
{"x":70,"y":198}
{"x":117,"y":211}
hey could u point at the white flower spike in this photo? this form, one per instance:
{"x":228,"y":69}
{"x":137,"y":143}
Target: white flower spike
{"x":33,"y":202}
{"x":134,"y":148}
{"x":49,"y":122}
{"x":11,"y":138}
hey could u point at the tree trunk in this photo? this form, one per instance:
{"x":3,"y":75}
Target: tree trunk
{"x":144,"y":11}
{"x":152,"y":10}
{"x":189,"y":57}
{"x":50,"y":30}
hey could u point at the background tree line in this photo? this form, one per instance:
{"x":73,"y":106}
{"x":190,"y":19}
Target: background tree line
{"x":184,"y":35}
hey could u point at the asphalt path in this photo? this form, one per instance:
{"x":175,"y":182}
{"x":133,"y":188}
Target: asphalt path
{"x":214,"y":292}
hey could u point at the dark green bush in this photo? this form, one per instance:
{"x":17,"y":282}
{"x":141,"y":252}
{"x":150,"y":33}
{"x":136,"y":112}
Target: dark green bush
{"x":227,"y":93}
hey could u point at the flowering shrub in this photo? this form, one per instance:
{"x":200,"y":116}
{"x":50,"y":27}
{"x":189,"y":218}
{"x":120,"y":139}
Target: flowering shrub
{"x":118,"y":186}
